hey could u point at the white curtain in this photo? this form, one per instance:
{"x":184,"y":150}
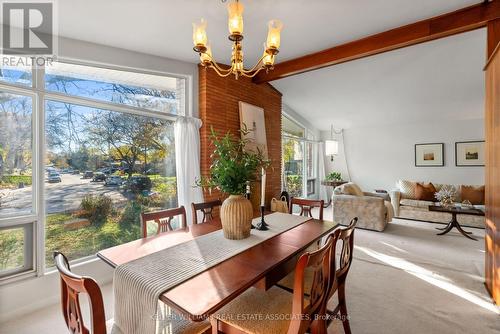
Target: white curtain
{"x":187,"y":157}
{"x":324,"y":191}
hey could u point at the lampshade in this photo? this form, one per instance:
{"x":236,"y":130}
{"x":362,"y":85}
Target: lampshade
{"x":331,"y":147}
{"x":273,"y":35}
{"x":235,"y":19}
{"x":200,"y":33}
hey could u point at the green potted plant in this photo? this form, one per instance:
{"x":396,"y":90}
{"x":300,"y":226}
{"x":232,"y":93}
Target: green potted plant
{"x":232,"y":167}
{"x":334,"y":176}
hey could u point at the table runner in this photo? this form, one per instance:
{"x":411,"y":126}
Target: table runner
{"x":139,"y":284}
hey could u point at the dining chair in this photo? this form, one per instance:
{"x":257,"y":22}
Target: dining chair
{"x":346,"y":235}
{"x":206,"y":208}
{"x":279,"y":311}
{"x":163,"y":219}
{"x":306,"y":205}
{"x":72,"y":285}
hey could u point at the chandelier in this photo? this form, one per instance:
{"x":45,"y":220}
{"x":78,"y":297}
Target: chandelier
{"x":235,"y":25}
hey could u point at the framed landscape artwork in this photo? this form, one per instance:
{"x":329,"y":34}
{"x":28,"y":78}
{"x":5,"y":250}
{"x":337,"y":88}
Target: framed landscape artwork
{"x":469,"y":153}
{"x":253,"y":117}
{"x":429,"y":155}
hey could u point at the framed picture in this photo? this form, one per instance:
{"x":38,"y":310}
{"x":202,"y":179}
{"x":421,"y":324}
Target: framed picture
{"x":429,"y":155}
{"x":253,"y":118}
{"x":469,"y":153}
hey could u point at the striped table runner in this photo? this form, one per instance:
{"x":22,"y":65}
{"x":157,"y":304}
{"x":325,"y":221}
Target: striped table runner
{"x":139,"y":284}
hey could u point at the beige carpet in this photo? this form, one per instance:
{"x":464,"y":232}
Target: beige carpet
{"x":404,"y":280}
{"x":409,"y":280}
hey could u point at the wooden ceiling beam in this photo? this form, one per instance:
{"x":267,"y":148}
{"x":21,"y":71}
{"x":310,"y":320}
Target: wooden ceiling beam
{"x":462,"y":20}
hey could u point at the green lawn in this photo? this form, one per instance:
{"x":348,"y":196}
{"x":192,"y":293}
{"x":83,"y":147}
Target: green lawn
{"x":13,"y":181}
{"x":119,"y":227}
{"x":116,"y":226}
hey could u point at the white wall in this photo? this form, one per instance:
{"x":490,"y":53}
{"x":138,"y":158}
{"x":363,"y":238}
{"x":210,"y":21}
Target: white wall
{"x":378,"y":156}
{"x":30,"y":294}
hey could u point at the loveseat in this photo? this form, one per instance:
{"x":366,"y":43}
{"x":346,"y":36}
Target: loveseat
{"x":407,"y":206}
{"x":374,"y":211}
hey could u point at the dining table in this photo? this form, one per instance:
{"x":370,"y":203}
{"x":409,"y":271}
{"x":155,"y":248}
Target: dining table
{"x":260,"y":266}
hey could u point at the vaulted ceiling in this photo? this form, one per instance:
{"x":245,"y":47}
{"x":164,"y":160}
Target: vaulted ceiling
{"x":411,"y":83}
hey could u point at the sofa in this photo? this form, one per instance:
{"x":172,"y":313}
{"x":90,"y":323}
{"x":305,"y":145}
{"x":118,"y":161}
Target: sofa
{"x":374,"y":210}
{"x":408,"y":207}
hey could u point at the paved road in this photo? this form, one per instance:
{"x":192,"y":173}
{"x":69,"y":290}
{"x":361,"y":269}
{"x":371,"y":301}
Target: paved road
{"x":59,"y":197}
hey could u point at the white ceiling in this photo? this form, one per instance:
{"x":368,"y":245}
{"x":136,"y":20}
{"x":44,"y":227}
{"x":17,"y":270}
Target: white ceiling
{"x":434,"y":81}
{"x":164,"y":27}
{"x":437,"y":79}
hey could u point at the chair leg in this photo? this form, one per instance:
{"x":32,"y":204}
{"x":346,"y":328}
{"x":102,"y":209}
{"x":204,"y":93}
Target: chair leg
{"x":215,"y":325}
{"x":318,"y":325}
{"x":343,"y":309}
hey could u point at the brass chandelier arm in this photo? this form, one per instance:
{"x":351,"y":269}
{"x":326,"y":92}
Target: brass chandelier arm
{"x":259,"y":64}
{"x":227,"y":72}
{"x":252,"y":74}
{"x":221,"y":72}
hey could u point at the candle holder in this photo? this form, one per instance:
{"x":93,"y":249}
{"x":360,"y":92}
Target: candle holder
{"x":262,"y":226}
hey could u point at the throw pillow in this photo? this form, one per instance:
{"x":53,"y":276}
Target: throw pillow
{"x":407,"y":189}
{"x":473,"y":194}
{"x":352,"y":189}
{"x":425,"y":192}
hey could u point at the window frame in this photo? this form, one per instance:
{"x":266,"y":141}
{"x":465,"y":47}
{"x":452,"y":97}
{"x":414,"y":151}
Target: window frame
{"x":36,"y":246}
{"x":308,"y":137}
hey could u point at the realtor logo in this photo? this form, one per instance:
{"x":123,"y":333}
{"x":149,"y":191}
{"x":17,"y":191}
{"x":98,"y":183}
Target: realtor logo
{"x":28,"y":28}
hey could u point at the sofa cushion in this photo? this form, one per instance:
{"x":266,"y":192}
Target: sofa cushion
{"x":416,"y":203}
{"x":350,"y":189}
{"x":473,"y":194}
{"x":425,"y":192}
{"x":407,"y":189}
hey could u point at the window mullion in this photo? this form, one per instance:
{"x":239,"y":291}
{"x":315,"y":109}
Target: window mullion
{"x":39,"y":235}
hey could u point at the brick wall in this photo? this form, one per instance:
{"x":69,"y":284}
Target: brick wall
{"x":218,"y":104}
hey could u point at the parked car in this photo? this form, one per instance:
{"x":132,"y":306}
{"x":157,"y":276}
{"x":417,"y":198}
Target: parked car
{"x":75,"y":172}
{"x":113,"y":180}
{"x":54,"y":177}
{"x":139,"y":184}
{"x":88,"y":174}
{"x":99,"y":177}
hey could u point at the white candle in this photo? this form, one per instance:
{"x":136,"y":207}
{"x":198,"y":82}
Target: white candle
{"x":263,"y":188}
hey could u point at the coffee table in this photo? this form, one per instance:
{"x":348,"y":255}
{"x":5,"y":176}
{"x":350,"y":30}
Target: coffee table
{"x":454,"y":210}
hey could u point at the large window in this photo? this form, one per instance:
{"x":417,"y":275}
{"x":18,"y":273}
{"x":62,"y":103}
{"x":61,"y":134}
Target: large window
{"x":109,"y":154}
{"x":299,"y":159}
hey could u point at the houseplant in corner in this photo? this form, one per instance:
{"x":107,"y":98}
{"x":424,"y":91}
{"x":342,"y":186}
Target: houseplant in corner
{"x":232,"y":166}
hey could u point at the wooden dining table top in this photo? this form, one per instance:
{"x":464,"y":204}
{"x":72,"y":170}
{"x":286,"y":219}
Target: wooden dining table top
{"x":261,"y":265}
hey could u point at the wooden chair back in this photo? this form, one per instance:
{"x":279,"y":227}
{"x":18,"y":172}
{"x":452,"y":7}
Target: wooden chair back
{"x":163,"y":219}
{"x":72,"y":286}
{"x":206,"y":208}
{"x":306,"y":206}
{"x":346,"y":235}
{"x":319,"y":263}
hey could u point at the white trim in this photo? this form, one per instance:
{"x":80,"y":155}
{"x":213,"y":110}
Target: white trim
{"x":39,"y":244}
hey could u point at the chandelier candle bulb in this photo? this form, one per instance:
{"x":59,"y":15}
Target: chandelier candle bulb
{"x":273,"y":35}
{"x":235,"y":21}
{"x":200,"y":36}
{"x":206,"y":57}
{"x":267,"y":59}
